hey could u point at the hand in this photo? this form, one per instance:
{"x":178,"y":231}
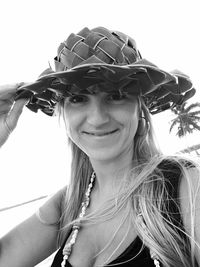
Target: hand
{"x":10,"y":110}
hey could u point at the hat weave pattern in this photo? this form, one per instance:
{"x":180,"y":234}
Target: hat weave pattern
{"x":112,"y":61}
{"x":97,"y":45}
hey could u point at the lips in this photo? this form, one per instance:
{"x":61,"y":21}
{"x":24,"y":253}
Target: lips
{"x":100,"y":133}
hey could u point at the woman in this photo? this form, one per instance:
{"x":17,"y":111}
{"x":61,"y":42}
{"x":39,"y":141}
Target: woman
{"x":126,"y":203}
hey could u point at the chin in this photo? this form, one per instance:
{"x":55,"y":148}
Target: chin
{"x":108,"y":155}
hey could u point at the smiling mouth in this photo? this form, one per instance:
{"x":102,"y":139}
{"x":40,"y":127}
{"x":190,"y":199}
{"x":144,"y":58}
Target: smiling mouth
{"x":101,"y":134}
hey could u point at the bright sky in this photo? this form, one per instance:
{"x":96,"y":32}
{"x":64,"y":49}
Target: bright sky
{"x":35,"y":160}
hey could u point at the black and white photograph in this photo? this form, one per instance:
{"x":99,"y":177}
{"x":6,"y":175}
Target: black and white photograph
{"x":99,"y":133}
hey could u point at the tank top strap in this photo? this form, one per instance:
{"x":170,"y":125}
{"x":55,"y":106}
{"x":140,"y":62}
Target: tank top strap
{"x":172,"y":174}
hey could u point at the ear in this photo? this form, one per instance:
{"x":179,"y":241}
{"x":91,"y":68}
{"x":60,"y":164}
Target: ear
{"x":143,"y":124}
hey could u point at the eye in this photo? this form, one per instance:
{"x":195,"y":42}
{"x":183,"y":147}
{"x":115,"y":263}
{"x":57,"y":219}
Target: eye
{"x":116,"y":97}
{"x":77,"y":99}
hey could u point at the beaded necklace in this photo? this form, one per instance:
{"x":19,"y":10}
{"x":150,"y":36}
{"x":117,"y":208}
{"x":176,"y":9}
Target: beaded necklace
{"x":75,"y":228}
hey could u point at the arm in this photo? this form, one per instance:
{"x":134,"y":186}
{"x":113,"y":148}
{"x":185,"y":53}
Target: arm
{"x":32,"y":241}
{"x":187,"y":189}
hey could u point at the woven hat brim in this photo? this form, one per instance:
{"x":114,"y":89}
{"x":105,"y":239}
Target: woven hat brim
{"x":160,"y":89}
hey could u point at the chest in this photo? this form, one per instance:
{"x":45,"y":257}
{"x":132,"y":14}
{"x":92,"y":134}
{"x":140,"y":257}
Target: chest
{"x":101,"y":243}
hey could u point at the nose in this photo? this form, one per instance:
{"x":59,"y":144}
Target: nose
{"x":98,"y":114}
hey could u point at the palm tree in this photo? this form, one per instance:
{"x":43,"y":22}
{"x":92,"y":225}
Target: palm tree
{"x":186,"y":119}
{"x":190,"y":149}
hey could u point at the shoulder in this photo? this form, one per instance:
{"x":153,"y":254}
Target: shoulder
{"x":52,"y":208}
{"x":190,"y":205}
{"x":172,"y":169}
{"x":183,"y":174}
{"x":189,"y":182}
{"x":177,"y":167}
{"x":182,"y":180}
{"x":190,"y":196}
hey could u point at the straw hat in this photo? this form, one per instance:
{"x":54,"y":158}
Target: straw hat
{"x":111,"y":60}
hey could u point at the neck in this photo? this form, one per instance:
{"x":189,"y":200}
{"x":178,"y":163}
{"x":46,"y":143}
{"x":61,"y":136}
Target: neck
{"x":110,"y":172}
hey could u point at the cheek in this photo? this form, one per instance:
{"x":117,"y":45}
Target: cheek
{"x":72,"y":122}
{"x":129,"y":116}
{"x":133,"y":124}
{"x":131,"y":120}
{"x":68,"y":121}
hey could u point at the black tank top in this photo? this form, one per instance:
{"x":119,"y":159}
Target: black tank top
{"x":137,"y":254}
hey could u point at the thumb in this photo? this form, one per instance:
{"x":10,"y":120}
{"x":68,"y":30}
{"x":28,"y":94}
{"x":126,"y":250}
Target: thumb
{"x":15,"y":113}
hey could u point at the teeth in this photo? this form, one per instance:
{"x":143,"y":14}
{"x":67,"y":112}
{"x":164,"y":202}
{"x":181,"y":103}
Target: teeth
{"x":102,"y":133}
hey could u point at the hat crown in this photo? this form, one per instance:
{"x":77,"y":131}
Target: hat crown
{"x":98,"y":45}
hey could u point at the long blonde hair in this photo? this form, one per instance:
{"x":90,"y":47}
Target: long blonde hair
{"x":146,"y":194}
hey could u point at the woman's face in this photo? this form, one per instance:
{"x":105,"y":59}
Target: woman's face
{"x":102,"y":125}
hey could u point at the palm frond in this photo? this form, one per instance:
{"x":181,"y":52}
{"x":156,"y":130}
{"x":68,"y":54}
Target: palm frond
{"x":182,"y":107}
{"x":192,"y":106}
{"x":195,"y":125}
{"x":190,"y":149}
{"x":194,"y":113}
{"x":181,"y":132}
{"x":195,"y":118}
{"x":190,"y":121}
{"x":174,"y":122}
{"x":186,"y":119}
{"x":174,"y":110}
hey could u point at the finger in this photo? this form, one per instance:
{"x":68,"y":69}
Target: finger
{"x":5,"y":107}
{"x":9,"y":88}
{"x":15,"y":113}
{"x":6,"y":96}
